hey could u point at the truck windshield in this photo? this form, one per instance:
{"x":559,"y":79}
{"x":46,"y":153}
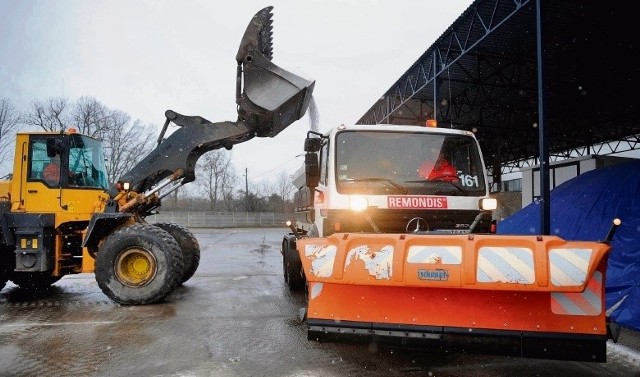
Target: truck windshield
{"x":86,"y":163}
{"x":388,"y":162}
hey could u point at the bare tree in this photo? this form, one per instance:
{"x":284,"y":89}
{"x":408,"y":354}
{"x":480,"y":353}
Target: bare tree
{"x":284,"y":186}
{"x":50,"y":115}
{"x":9,"y":120}
{"x":125,"y":143}
{"x":230,"y":181}
{"x":90,"y":117}
{"x":275,"y":194}
{"x":251,"y":202}
{"x":229,"y":200}
{"x":216,"y":176}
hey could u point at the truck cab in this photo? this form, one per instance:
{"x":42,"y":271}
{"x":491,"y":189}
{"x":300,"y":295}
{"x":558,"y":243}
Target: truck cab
{"x":382,"y":179}
{"x":382,"y":248}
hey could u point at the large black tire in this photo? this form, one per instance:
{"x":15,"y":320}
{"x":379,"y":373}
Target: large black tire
{"x":34,"y":281}
{"x":294,"y":276}
{"x":189,"y":246}
{"x":139,"y":264}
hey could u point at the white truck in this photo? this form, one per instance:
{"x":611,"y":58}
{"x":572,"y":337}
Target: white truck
{"x":389,"y":247}
{"x":376,"y":179}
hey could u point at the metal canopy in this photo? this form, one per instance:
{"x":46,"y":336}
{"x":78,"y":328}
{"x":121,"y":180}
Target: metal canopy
{"x":482,"y":74}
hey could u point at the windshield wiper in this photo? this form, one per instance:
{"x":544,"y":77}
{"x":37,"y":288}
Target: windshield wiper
{"x":460,"y":189}
{"x":398,"y":186}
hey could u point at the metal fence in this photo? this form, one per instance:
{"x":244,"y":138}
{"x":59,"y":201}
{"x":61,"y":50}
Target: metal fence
{"x":204,"y":219}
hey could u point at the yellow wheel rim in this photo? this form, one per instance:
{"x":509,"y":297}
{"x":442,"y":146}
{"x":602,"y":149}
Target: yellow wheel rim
{"x":136,"y":267}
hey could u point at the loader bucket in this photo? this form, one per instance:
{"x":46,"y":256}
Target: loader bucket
{"x":269,"y":98}
{"x":528,"y":296}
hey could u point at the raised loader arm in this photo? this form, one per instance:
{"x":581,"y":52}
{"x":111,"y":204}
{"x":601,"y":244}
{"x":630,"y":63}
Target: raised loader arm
{"x":140,"y":263}
{"x":268,"y":98}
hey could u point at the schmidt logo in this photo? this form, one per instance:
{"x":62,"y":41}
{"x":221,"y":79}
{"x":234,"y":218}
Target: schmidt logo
{"x":438,"y":274}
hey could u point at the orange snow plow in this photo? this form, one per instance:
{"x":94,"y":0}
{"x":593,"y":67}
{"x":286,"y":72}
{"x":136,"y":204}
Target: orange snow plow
{"x":529,"y":296}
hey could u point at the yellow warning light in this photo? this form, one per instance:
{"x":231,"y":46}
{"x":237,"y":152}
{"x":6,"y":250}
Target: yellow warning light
{"x":72,"y":130}
{"x":431,"y":123}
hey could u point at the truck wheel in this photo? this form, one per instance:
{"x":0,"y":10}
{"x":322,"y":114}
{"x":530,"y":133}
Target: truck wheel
{"x":139,"y":264}
{"x":189,"y":246}
{"x":295,"y":278}
{"x":34,"y":281}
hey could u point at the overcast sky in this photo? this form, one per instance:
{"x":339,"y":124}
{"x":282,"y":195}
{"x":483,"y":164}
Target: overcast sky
{"x":144,"y":57}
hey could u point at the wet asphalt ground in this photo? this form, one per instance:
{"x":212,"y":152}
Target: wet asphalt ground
{"x":234,"y":317}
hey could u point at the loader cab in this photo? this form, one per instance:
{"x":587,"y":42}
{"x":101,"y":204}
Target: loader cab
{"x":78,"y":162}
{"x":57,"y":171}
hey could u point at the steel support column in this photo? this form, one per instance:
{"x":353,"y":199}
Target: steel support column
{"x":542,"y":130}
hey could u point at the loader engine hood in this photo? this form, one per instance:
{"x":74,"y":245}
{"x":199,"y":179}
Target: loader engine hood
{"x":268,"y":99}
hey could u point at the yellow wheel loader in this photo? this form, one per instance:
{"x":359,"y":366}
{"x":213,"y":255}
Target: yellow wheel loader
{"x":58,"y":215}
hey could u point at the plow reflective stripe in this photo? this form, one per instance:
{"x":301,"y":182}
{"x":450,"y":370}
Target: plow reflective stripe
{"x":569,"y":266}
{"x":588,"y":302}
{"x":322,"y":258}
{"x":506,"y":265}
{"x":432,"y":254}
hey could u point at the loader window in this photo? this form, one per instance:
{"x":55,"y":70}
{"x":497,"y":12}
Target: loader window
{"x":86,"y":163}
{"x":85,"y":168}
{"x":39,"y":159}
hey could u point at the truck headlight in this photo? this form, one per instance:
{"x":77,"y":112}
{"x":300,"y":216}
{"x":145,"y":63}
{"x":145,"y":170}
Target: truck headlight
{"x":358,"y":203}
{"x":488,"y":204}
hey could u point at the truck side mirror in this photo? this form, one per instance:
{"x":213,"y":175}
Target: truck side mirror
{"x":311,"y":169}
{"x":312,"y":144}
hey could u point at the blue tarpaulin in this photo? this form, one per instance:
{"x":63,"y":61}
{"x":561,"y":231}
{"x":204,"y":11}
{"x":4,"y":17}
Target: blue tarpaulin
{"x":583,"y":209}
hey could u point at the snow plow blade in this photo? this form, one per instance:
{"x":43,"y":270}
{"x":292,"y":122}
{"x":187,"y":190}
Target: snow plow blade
{"x":528,"y":296}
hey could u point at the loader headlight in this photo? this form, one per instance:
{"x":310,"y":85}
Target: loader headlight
{"x":125,"y":186}
{"x":358,"y":203}
{"x":488,"y":204}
